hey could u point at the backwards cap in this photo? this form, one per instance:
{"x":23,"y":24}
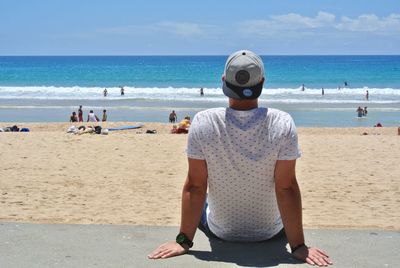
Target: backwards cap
{"x":243,"y":75}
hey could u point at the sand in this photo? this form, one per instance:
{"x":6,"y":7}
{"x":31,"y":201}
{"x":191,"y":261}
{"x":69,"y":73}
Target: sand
{"x":348,"y":180}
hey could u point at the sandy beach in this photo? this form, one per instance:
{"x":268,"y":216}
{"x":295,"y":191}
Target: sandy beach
{"x":348,"y":180}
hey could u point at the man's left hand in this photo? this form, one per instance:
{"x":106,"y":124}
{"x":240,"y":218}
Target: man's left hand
{"x":312,"y":256}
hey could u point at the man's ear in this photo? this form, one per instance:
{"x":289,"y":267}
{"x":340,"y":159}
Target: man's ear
{"x":223,"y":78}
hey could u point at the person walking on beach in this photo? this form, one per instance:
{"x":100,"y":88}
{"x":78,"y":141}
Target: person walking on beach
{"x":173,"y":117}
{"x":105,"y":92}
{"x":92,"y":117}
{"x":104,"y":119}
{"x":246,"y":156}
{"x":80,"y":114}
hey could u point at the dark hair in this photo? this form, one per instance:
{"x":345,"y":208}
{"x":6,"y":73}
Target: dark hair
{"x":73,"y":113}
{"x":91,"y":111}
{"x":104,"y":111}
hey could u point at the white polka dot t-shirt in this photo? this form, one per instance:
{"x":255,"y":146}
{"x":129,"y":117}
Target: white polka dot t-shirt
{"x":241,"y":149}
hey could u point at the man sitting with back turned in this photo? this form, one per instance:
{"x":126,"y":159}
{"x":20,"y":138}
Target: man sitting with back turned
{"x":246,"y":156}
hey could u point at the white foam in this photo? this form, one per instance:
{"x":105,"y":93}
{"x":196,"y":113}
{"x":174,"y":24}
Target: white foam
{"x":285,"y":95}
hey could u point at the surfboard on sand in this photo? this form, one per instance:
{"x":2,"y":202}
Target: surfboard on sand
{"x":126,"y":127}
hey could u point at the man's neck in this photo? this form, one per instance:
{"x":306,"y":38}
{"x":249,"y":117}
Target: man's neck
{"x":243,"y":105}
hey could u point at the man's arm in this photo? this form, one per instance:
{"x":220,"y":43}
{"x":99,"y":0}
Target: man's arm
{"x":289,"y":203}
{"x":193,"y":197}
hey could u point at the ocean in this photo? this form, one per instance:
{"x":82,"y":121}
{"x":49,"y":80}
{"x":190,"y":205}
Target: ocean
{"x":49,"y":88}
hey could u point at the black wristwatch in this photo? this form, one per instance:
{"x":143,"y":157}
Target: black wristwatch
{"x":293,"y":249}
{"x":181,"y":239}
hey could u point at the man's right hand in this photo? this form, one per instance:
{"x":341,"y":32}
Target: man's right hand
{"x":167,"y":250}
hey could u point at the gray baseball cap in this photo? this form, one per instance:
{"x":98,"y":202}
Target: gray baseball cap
{"x":243,"y":75}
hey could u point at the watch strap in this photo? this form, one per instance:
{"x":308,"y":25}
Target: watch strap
{"x":181,"y":239}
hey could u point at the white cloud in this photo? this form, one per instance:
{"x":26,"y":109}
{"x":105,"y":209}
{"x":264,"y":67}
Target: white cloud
{"x":179,"y":29}
{"x":288,"y":22}
{"x":296,"y":23}
{"x":370,"y":23}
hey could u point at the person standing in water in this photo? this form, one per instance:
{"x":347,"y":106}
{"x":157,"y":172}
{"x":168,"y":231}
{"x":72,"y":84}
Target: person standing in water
{"x":360,"y":111}
{"x":201,"y":92}
{"x":365,"y":111}
{"x":105,"y":92}
{"x":367,"y":95}
{"x":173,"y":117}
{"x":323,"y":92}
{"x":122,"y":91}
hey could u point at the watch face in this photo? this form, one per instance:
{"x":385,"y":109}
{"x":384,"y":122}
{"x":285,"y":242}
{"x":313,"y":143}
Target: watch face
{"x":180,"y":238}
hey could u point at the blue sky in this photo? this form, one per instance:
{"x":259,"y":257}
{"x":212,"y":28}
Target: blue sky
{"x":207,"y":27}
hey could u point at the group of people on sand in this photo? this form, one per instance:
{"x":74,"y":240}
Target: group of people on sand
{"x":361,"y":112}
{"x":92,"y":117}
{"x":182,"y":127}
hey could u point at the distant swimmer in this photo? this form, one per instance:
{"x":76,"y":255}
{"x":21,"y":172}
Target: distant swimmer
{"x":360,"y":111}
{"x":201,"y":92}
{"x":345,"y":83}
{"x":367,"y":95}
{"x":105,"y":92}
{"x":323,"y":92}
{"x":303,"y":87}
{"x":122,"y":91}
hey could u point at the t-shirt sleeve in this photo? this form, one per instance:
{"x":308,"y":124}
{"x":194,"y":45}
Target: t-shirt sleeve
{"x":289,"y":149}
{"x":194,"y":149}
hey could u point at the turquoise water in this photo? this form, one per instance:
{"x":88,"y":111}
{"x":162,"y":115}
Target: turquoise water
{"x":49,"y":88}
{"x":197,"y":71}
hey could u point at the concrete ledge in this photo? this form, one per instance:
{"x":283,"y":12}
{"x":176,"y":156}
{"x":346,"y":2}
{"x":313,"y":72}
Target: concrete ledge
{"x":51,"y":245}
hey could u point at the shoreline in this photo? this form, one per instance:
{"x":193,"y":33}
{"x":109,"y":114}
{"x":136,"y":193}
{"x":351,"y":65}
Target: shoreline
{"x":347,"y":180}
